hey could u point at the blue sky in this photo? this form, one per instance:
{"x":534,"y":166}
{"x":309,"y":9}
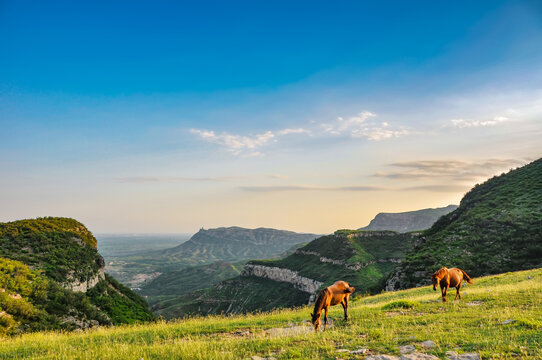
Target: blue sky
{"x":168,"y":116}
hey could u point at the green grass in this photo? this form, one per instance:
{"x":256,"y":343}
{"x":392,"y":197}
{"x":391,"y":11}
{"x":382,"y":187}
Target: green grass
{"x":452,"y":326}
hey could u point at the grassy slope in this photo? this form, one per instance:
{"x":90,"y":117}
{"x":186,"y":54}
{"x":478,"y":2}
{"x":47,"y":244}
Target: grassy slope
{"x":452,"y":325}
{"x":238,"y":295}
{"x":497,"y":228}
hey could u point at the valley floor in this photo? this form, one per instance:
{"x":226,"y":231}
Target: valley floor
{"x":499,"y":317}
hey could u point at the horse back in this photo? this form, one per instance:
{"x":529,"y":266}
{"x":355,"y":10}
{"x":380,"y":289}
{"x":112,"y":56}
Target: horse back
{"x":341,"y":287}
{"x":339,"y":290}
{"x":456,"y":276}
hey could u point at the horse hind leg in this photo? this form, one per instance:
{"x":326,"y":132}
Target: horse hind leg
{"x":458,"y":293}
{"x":325,"y":318}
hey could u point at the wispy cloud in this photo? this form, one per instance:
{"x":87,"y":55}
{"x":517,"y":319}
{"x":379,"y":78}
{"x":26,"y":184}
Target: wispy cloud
{"x":272,"y":188}
{"x":439,"y":188}
{"x":465,"y":123}
{"x":452,"y":169}
{"x":170,"y":179}
{"x":293,"y":131}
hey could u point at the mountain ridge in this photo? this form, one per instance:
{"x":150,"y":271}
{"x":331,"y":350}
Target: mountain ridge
{"x":408,"y":220}
{"x":225,"y":244}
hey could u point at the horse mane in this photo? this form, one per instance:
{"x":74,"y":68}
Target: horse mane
{"x":440,"y":271}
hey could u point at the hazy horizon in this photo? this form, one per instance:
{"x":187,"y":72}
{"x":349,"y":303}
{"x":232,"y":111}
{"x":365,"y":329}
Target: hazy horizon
{"x":307,"y":116}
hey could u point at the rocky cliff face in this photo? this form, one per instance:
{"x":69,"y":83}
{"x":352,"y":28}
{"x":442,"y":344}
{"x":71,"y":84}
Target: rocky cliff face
{"x":85,"y":285}
{"x":283,"y":275}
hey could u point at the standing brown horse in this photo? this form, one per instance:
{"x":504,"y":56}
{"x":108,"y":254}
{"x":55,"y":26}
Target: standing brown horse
{"x":449,"y":278}
{"x":337,"y":293}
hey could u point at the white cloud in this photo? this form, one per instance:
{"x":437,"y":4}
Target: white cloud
{"x":462,"y":123}
{"x":236,"y":144}
{"x":363,"y":126}
{"x":360,"y":126}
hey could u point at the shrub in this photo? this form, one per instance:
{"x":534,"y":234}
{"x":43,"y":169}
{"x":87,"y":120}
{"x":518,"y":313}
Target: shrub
{"x":399,"y":304}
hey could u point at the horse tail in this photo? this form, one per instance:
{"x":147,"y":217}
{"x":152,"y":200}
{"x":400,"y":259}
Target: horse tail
{"x":469,"y":280}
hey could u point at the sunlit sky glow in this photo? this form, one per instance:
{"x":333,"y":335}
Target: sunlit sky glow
{"x":309,"y":116}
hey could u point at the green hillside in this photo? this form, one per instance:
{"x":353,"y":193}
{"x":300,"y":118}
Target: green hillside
{"x":363,"y":258}
{"x":497,"y":228}
{"x":500,"y":317}
{"x":52,"y":277}
{"x":184,"y":281}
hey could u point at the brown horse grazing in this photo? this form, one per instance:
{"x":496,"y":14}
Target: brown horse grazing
{"x":337,"y":293}
{"x":448,"y":278}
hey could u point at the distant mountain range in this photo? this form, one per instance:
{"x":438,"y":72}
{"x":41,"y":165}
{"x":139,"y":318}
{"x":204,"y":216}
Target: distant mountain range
{"x":234,"y":244}
{"x":225,"y":244}
{"x":409,"y":220}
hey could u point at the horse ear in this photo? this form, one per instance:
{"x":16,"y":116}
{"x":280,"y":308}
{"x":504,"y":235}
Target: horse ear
{"x":312,"y":314}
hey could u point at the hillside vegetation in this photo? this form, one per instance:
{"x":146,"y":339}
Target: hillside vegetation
{"x":409,"y":220}
{"x":180,"y":282}
{"x":52,"y":277}
{"x":363,"y":258}
{"x":497,"y":228}
{"x":498,"y":318}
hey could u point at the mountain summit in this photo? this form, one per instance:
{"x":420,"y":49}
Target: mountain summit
{"x":236,"y":243}
{"x":409,"y":220}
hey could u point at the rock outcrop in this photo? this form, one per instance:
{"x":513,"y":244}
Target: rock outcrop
{"x":284,"y":275}
{"x":84,"y":286}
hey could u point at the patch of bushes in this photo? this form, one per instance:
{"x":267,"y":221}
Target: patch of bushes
{"x":399,"y":304}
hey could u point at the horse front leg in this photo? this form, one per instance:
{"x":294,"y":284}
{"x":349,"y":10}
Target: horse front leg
{"x":325,"y":318}
{"x":344,"y":303}
{"x":444,"y":292}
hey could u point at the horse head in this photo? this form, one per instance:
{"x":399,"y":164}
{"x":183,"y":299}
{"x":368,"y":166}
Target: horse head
{"x":437,"y":276}
{"x":316,"y":320}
